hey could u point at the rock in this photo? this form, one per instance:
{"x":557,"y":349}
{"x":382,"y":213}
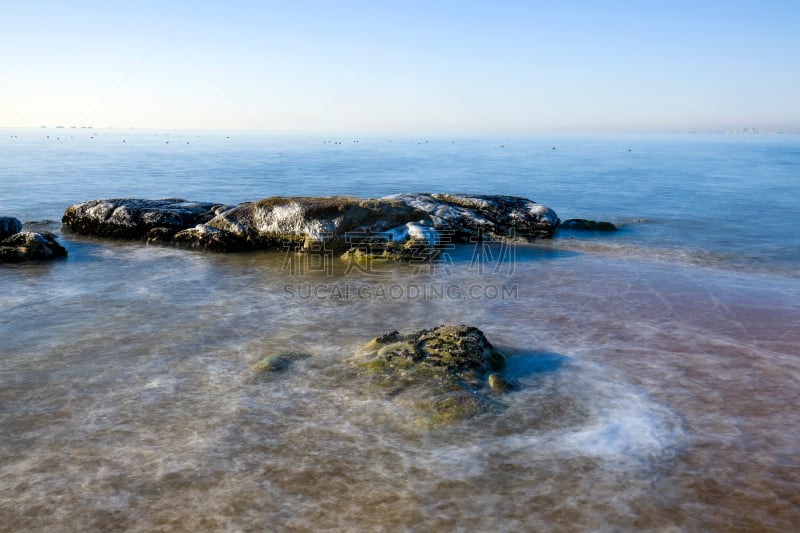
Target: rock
{"x":273,"y":363}
{"x":397,"y":227}
{"x":326,"y":224}
{"x":209,"y":238}
{"x":159,"y":236}
{"x":582,"y":224}
{"x":498,"y":383}
{"x":9,"y":226}
{"x":131,"y":218}
{"x":490,"y":216}
{"x":452,"y":347}
{"x":28,"y":246}
{"x":443,"y":373}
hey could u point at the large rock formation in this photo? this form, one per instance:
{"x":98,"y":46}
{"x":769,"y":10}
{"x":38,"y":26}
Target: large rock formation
{"x":392,"y":227}
{"x":444,"y":375}
{"x":131,"y":218}
{"x":29,"y":246}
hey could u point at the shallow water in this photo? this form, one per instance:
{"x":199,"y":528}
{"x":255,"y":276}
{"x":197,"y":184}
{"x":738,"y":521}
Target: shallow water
{"x":657,"y":379}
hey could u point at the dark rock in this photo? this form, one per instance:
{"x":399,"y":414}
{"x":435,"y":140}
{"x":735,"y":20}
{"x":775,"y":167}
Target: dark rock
{"x":369,"y":250}
{"x":582,"y":224}
{"x":443,"y":374}
{"x":489,"y":216}
{"x":159,"y":236}
{"x":28,"y":246}
{"x":131,"y":218}
{"x":9,"y":226}
{"x":209,"y":238}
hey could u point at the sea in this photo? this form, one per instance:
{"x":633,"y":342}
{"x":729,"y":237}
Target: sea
{"x":656,"y":369}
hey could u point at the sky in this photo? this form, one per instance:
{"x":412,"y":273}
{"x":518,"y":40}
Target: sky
{"x":436,"y":66}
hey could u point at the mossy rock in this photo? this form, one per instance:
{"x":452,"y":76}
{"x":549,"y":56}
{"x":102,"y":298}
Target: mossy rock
{"x":274,"y":363}
{"x":367,"y":251}
{"x":445,"y":374}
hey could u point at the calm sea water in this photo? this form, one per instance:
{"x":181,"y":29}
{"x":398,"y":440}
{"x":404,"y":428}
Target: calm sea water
{"x":658,"y":370}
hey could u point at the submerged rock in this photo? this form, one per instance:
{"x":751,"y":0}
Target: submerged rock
{"x":29,"y":246}
{"x":443,"y":374}
{"x":9,"y":226}
{"x":132,"y":218}
{"x":274,"y":363}
{"x":582,"y":224}
{"x":469,"y":216}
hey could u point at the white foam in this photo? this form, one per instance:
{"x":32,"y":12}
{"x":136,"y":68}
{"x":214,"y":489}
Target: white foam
{"x":631,"y":430}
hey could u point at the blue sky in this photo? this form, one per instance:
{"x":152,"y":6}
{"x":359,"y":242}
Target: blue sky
{"x":472,"y":67}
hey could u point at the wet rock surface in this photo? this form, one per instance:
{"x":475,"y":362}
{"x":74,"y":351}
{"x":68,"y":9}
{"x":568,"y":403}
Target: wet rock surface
{"x":582,"y":224}
{"x":29,"y":246}
{"x":469,"y":216}
{"x":398,"y":227}
{"x":444,"y":375}
{"x":335,"y":223}
{"x":9,"y":226}
{"x":133,"y":218}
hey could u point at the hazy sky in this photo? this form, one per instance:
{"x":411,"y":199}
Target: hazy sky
{"x":489,"y":67}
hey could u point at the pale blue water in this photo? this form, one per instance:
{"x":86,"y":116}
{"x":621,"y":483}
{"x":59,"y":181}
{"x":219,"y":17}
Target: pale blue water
{"x":658,"y":365}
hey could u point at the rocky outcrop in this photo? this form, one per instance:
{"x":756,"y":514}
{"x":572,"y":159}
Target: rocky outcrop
{"x":470,"y":216}
{"x":396,"y":227}
{"x":131,"y":218}
{"x":581,"y":224}
{"x":310,"y":223}
{"x":9,"y":226}
{"x":29,"y":246}
{"x":444,"y":375}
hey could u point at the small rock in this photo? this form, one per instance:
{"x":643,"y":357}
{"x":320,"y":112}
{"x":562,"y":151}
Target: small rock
{"x":582,"y":224}
{"x":442,"y":374}
{"x":29,"y":246}
{"x":9,"y":226}
{"x":273,"y":363}
{"x":498,"y":383}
